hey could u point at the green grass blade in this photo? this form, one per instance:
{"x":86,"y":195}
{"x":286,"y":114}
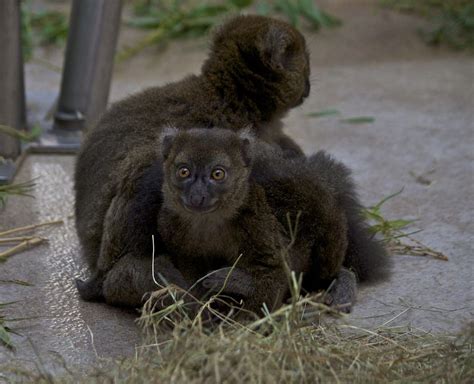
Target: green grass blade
{"x":359,"y":120}
{"x":5,"y":336}
{"x":399,"y":224}
{"x":19,"y":189}
{"x":389,"y":197}
{"x":22,"y":135}
{"x":375,"y":215}
{"x":324,"y":113}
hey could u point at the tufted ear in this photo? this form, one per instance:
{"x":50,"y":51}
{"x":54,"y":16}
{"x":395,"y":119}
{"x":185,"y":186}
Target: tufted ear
{"x":166,"y":141}
{"x":275,"y":47}
{"x":247,"y":140}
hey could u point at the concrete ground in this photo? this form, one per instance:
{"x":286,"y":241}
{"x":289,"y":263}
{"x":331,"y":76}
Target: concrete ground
{"x":422,"y":100}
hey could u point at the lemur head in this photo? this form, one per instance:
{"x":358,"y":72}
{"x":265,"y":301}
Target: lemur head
{"x":206,"y":171}
{"x":265,"y":58}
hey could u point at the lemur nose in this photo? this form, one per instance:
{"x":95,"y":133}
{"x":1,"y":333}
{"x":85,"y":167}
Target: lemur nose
{"x":197,"y":201}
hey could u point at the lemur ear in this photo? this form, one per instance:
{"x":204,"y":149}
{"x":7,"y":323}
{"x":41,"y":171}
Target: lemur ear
{"x":275,"y":47}
{"x":247,"y":140}
{"x":166,"y":141}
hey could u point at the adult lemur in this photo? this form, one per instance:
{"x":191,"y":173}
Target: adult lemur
{"x":257,"y":70}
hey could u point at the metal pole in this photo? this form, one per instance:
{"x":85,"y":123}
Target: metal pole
{"x":12,"y":89}
{"x":88,"y":65}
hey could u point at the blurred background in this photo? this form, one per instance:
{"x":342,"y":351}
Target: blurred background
{"x":160,"y":37}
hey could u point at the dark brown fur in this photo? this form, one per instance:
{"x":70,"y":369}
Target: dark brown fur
{"x":257,"y":70}
{"x":251,"y":220}
{"x":366,"y":255}
{"x":291,"y":186}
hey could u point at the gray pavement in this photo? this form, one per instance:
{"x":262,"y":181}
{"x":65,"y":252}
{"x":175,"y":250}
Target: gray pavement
{"x":422,"y":100}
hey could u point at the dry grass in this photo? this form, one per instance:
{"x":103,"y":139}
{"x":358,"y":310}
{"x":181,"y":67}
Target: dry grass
{"x":299,"y":343}
{"x":302,"y":342}
{"x":22,"y":243}
{"x":307,"y":354}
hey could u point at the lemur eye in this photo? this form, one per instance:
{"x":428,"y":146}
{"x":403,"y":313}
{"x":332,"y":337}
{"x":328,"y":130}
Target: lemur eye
{"x":183,"y":172}
{"x":218,"y":174}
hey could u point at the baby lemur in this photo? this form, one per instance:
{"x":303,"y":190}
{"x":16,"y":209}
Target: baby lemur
{"x":223,"y":195}
{"x":257,"y":70}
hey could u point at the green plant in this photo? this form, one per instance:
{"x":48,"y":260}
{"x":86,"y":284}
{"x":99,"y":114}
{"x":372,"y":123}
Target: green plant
{"x":297,"y":10}
{"x":389,"y":229}
{"x":181,"y":18}
{"x":359,"y":120}
{"x":393,"y":232}
{"x":350,"y":120}
{"x":26,"y":31}
{"x":5,"y":331}
{"x":177,"y":18}
{"x":51,"y":26}
{"x":32,"y":135}
{"x":20,"y":189}
{"x":452,"y":22}
{"x":41,"y":28}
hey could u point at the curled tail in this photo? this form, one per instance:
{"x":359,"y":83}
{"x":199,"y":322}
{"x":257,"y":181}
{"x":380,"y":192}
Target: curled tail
{"x":365,"y":255}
